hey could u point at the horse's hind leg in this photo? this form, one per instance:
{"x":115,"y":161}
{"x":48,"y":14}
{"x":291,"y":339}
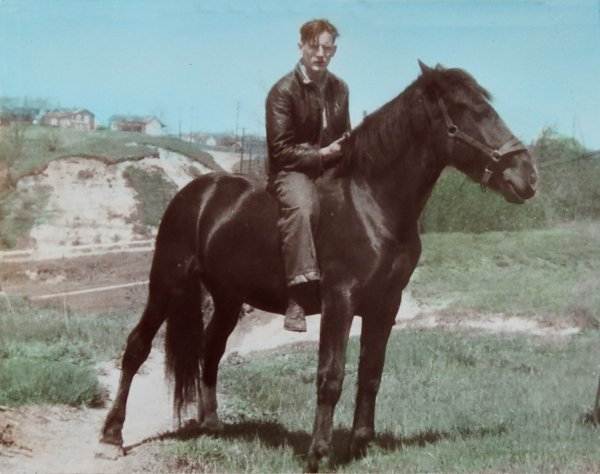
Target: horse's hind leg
{"x":137,"y":350}
{"x":221,"y":325}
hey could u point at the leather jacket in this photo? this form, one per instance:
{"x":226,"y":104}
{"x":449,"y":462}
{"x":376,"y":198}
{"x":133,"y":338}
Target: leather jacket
{"x":294,"y":120}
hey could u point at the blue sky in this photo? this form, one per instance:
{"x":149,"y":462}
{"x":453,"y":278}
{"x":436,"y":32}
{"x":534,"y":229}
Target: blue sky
{"x":191,"y":62}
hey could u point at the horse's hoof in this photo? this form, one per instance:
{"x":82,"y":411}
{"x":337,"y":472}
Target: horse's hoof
{"x":111,"y":452}
{"x":312,"y":464}
{"x":212,"y":425}
{"x":112,"y":438}
{"x":358,"y":449}
{"x":359,"y":444}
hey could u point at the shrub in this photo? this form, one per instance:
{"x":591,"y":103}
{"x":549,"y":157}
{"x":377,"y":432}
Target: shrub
{"x":19,"y":211}
{"x":458,"y":204}
{"x":154,"y":192}
{"x":568,"y":191}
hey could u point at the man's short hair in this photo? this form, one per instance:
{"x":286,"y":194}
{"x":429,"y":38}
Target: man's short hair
{"x":312,"y":29}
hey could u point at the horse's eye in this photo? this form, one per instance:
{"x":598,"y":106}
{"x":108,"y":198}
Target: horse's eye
{"x":480,"y":109}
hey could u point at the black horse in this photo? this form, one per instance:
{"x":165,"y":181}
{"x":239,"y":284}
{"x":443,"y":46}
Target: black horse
{"x":219,"y":233}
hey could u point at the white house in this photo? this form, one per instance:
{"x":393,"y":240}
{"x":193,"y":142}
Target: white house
{"x":148,"y":125}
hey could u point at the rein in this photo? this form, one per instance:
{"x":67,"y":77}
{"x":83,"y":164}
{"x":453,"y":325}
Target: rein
{"x":494,"y":155}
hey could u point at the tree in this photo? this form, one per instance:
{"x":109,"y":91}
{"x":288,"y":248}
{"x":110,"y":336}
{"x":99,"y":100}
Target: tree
{"x":12,"y":140}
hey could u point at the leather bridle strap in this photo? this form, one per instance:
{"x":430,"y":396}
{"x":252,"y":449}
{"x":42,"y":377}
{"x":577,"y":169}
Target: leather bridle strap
{"x":513,"y":145}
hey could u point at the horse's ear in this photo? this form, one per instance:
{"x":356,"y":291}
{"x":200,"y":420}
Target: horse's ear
{"x":424,"y":67}
{"x":439,"y":67}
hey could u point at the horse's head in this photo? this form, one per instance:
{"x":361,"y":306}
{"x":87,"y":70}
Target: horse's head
{"x":473,"y":136}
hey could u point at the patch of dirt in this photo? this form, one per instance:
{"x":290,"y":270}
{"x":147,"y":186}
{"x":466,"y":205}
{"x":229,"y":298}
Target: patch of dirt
{"x":441,"y":318}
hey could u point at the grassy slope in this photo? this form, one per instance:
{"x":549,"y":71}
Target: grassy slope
{"x":551,"y":273}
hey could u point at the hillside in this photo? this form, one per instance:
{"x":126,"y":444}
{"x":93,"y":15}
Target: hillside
{"x":90,"y":189}
{"x":78,"y":211}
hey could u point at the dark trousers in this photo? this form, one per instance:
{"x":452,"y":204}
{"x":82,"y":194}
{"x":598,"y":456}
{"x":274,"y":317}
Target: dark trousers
{"x":298,"y":202}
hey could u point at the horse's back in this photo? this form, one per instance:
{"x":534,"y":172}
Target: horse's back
{"x":227,"y":224}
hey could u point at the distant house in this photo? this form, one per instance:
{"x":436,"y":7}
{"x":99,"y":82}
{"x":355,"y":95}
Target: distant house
{"x":148,"y":125}
{"x":80,"y":119}
{"x":21,"y":115}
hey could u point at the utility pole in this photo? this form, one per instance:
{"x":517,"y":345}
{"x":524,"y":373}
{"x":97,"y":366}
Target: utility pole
{"x":191,"y":121}
{"x":242,"y":151}
{"x":237,"y":118}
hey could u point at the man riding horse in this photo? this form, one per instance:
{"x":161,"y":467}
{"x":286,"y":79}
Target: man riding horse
{"x":307,"y":117}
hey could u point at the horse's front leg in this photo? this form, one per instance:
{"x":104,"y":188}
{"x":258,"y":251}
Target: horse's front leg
{"x":373,"y":342}
{"x":336,"y":319}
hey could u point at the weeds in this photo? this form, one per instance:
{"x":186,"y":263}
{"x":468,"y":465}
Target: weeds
{"x":153,"y":194}
{"x":20,"y":209}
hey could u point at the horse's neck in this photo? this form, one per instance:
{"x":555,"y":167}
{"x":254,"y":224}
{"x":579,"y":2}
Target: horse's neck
{"x":396,"y":199}
{"x":392,"y":203}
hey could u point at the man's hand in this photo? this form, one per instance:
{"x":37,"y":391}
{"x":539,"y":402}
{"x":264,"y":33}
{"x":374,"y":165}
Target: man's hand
{"x":331,"y":154}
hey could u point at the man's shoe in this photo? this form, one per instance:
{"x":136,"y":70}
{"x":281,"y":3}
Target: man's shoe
{"x":294,"y":318}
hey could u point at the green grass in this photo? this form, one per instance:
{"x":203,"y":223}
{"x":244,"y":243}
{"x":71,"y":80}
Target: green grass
{"x":30,"y":381}
{"x":548,"y":273}
{"x":48,"y":355}
{"x":448,"y":403}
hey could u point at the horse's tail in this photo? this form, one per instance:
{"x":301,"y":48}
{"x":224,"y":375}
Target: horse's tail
{"x":184,"y":339}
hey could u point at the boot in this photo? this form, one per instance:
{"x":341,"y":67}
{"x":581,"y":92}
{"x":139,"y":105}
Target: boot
{"x":294,"y":317}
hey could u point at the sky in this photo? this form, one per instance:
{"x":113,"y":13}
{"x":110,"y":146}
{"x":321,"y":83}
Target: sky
{"x":207,"y":65}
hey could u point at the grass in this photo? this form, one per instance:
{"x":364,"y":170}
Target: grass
{"x":49,"y":356}
{"x":547,"y":273}
{"x":448,"y":403}
{"x":29,"y":381}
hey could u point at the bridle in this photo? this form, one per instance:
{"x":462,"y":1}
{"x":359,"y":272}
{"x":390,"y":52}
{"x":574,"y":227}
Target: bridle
{"x":494,"y":155}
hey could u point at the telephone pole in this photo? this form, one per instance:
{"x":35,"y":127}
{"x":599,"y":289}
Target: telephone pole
{"x":237,"y":118}
{"x":242,"y":150}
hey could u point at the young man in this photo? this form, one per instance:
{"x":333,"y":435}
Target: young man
{"x":306,"y":118}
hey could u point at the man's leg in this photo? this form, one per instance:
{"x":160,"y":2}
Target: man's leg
{"x":298,"y":216}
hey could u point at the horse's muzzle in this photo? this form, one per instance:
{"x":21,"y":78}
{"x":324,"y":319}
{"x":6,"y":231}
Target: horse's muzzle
{"x":520,"y":179}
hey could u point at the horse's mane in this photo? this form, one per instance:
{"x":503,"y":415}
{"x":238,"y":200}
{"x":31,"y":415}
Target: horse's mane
{"x":402,"y":123}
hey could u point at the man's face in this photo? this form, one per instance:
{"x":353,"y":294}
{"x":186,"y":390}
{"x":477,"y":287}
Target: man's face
{"x":317,"y":52}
